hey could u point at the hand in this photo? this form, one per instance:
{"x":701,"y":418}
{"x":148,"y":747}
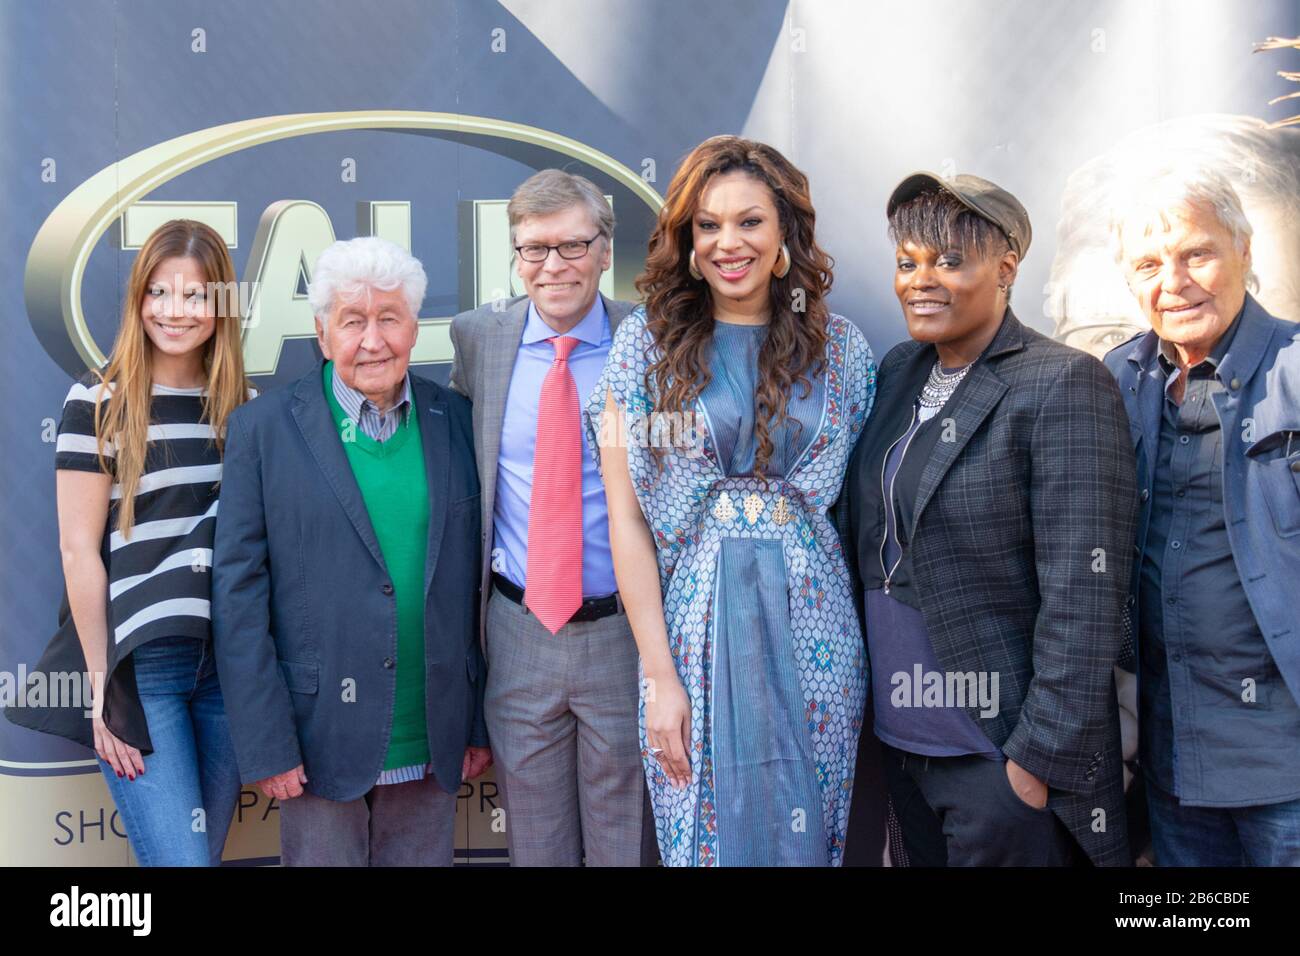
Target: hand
{"x":668,"y":727}
{"x":476,"y":763}
{"x":284,"y":786}
{"x":1026,"y":786}
{"x":125,"y":760}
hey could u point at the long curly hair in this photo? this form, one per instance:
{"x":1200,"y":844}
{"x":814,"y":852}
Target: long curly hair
{"x":679,"y":308}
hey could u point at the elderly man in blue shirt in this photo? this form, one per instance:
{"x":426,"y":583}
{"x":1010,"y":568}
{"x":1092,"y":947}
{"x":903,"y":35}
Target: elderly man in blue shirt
{"x":1213,"y":397}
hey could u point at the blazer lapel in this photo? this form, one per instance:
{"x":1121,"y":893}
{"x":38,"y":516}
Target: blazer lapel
{"x":1240,"y":362}
{"x":977,"y":396}
{"x":435,"y":437}
{"x":311,"y":411}
{"x":897,"y":384}
{"x":1150,"y":397}
{"x":617,"y":310}
{"x":499,"y":348}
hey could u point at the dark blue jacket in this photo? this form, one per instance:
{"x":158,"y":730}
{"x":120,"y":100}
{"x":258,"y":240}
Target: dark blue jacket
{"x":304,"y":617}
{"x":1259,"y":414}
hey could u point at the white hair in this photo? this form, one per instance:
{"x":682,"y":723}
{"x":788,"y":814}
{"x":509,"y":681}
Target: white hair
{"x":1262,"y":164}
{"x":1152,"y":192}
{"x":348,"y":268}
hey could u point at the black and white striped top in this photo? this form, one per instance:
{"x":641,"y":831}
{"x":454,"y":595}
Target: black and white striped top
{"x":158,"y":577}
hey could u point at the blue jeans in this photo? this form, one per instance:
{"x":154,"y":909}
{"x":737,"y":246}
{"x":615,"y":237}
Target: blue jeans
{"x":1267,"y":835}
{"x":177,"y":812}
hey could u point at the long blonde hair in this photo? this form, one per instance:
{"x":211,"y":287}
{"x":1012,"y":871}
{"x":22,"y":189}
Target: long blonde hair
{"x":125,"y":420}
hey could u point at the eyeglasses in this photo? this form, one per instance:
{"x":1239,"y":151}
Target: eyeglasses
{"x":573,"y":249}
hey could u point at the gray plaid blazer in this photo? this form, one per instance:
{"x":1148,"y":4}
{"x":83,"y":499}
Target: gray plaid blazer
{"x":1009,"y":519}
{"x":485,"y":341}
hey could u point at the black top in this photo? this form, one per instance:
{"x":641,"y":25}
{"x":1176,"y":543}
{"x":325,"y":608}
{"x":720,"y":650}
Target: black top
{"x":158,"y":573}
{"x":868,"y":496}
{"x":898,"y":642}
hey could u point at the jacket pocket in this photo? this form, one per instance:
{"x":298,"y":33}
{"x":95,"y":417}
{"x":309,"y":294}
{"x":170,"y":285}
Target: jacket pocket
{"x":1279,"y":478}
{"x":299,"y":677}
{"x":1016,"y":801}
{"x":468,"y":503}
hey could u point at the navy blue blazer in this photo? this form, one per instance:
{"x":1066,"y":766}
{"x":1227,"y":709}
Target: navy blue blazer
{"x":304,"y":618}
{"x":1259,"y":414}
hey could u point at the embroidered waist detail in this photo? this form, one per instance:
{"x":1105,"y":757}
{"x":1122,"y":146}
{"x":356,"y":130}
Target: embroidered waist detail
{"x":746,"y":504}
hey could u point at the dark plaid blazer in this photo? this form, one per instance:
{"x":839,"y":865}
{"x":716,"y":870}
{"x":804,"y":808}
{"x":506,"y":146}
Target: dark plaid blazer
{"x":1021,"y":551}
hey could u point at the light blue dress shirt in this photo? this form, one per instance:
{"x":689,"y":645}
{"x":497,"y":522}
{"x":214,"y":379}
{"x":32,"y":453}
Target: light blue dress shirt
{"x":518,"y":440}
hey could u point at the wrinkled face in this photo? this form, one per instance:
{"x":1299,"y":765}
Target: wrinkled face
{"x":369,"y":339}
{"x":563,"y":290}
{"x":736,"y":232}
{"x":949,"y":295}
{"x":1187,"y":273}
{"x":177,"y":315}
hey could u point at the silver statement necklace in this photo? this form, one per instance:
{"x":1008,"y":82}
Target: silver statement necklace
{"x":940,"y":385}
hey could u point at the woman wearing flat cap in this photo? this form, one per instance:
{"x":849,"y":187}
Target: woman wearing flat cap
{"x":988,"y":518}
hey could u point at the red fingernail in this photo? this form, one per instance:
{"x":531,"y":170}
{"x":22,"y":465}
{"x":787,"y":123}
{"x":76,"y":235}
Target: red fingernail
{"x":119,"y":774}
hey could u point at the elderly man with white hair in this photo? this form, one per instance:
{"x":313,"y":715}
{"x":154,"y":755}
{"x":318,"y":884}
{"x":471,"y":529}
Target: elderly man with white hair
{"x":345,"y":583}
{"x":1213,"y":398}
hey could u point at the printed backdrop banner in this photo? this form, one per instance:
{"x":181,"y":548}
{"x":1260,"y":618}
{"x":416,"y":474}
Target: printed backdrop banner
{"x":287,"y":125}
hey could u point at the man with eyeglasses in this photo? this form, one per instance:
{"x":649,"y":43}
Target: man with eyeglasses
{"x":561,"y":699}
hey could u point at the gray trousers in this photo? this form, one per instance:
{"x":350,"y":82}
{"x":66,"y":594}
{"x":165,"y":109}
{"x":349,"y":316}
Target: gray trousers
{"x":398,"y":824}
{"x":562,"y":716}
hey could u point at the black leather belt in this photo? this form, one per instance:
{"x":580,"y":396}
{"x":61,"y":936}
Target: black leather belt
{"x":591,"y":609}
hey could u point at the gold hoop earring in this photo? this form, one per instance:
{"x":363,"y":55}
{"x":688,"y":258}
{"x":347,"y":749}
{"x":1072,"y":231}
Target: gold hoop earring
{"x":785,"y":269}
{"x":690,"y":267}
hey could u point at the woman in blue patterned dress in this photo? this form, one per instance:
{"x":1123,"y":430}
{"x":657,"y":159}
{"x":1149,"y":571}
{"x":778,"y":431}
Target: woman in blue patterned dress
{"x":724,"y":420}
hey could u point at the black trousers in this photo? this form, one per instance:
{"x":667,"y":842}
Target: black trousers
{"x":961,"y":811}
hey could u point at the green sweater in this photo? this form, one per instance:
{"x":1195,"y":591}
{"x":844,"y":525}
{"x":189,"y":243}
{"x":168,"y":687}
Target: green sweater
{"x":393,"y":485}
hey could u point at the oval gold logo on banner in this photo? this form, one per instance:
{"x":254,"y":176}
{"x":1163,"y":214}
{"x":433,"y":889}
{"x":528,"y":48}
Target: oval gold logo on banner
{"x":57,"y":261}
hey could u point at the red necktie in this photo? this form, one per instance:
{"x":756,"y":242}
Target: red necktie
{"x":554,"y":574}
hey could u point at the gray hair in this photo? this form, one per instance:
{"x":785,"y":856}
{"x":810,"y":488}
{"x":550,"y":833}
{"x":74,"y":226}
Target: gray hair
{"x":1261,"y":164}
{"x":1167,"y":184}
{"x":554,"y":190}
{"x":348,"y":267}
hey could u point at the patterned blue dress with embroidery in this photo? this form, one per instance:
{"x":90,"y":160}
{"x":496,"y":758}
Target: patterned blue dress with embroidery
{"x":759,"y":611}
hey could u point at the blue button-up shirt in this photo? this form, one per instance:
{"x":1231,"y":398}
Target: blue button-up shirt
{"x":1218,"y":725}
{"x":518,"y":442}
